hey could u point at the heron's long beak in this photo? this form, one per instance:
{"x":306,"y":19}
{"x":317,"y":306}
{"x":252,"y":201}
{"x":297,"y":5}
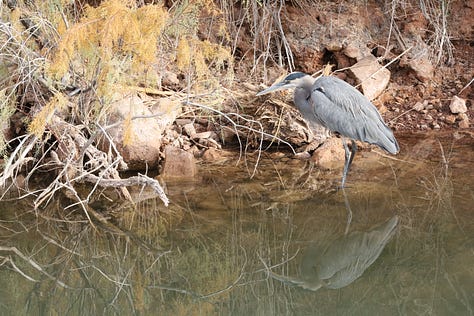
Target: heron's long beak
{"x":276,"y":87}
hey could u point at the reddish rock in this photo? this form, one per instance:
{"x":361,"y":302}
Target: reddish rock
{"x":342,"y":60}
{"x":464,"y":123}
{"x":138,"y":141}
{"x":416,"y":24}
{"x":212,"y":154}
{"x":169,"y":79}
{"x":372,"y":76}
{"x":178,"y":163}
{"x":450,"y":119}
{"x":189,"y":129}
{"x":330,"y":153}
{"x":419,"y":62}
{"x":352,"y":51}
{"x":462,"y":17}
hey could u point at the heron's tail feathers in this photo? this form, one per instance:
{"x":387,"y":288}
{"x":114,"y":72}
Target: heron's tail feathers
{"x":383,"y":137}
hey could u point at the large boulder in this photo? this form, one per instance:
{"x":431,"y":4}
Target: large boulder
{"x":138,"y":128}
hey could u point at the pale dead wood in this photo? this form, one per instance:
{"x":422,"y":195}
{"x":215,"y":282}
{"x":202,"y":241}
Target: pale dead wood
{"x":73,"y":146}
{"x":131,"y":181}
{"x":18,"y":158}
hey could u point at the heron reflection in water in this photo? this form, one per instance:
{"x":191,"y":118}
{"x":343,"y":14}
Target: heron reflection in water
{"x":342,"y":261}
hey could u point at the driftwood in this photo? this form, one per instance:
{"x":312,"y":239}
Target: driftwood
{"x":78,"y":161}
{"x":73,"y":146}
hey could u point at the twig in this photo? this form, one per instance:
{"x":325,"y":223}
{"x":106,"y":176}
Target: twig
{"x":236,"y":126}
{"x":20,"y":152}
{"x":12,"y":263}
{"x":267,"y":268}
{"x":465,"y":87}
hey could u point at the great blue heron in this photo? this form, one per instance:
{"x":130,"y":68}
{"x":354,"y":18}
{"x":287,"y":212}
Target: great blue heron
{"x":339,"y":107}
{"x":342,"y":261}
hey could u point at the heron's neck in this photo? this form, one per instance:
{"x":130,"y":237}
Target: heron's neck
{"x":307,"y":82}
{"x":303,"y":92}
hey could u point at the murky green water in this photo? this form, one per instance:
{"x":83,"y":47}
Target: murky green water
{"x":207,"y":254}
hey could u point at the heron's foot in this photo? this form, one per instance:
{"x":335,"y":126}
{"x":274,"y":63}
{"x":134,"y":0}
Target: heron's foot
{"x":335,"y":187}
{"x":343,"y":186}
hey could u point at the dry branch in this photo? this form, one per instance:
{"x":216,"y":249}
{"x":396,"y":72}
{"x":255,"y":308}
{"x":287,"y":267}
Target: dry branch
{"x":72,"y":147}
{"x":71,"y":139}
{"x":135,"y":180}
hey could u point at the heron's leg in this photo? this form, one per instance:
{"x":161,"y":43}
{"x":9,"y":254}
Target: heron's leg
{"x":348,"y":161}
{"x":353,"y":152}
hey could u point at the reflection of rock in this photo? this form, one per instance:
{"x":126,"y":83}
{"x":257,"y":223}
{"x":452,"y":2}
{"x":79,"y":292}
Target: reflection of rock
{"x":343,"y":260}
{"x":372,"y":76}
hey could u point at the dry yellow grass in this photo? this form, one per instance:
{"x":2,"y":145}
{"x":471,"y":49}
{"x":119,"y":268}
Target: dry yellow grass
{"x":42,"y":118}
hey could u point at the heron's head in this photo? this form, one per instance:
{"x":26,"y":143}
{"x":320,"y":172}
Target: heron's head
{"x":293,"y":80}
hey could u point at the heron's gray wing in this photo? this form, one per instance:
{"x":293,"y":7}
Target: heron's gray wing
{"x":341,"y":108}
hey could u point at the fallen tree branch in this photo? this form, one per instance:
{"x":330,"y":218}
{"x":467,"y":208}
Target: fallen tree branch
{"x":100,"y":168}
{"x":135,"y":180}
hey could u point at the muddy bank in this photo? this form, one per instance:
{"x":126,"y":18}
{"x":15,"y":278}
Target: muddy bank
{"x":195,"y":95}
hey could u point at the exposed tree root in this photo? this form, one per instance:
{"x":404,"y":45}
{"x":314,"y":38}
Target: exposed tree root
{"x":78,"y":161}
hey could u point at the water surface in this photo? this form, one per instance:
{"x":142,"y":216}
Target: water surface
{"x":208,"y":253}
